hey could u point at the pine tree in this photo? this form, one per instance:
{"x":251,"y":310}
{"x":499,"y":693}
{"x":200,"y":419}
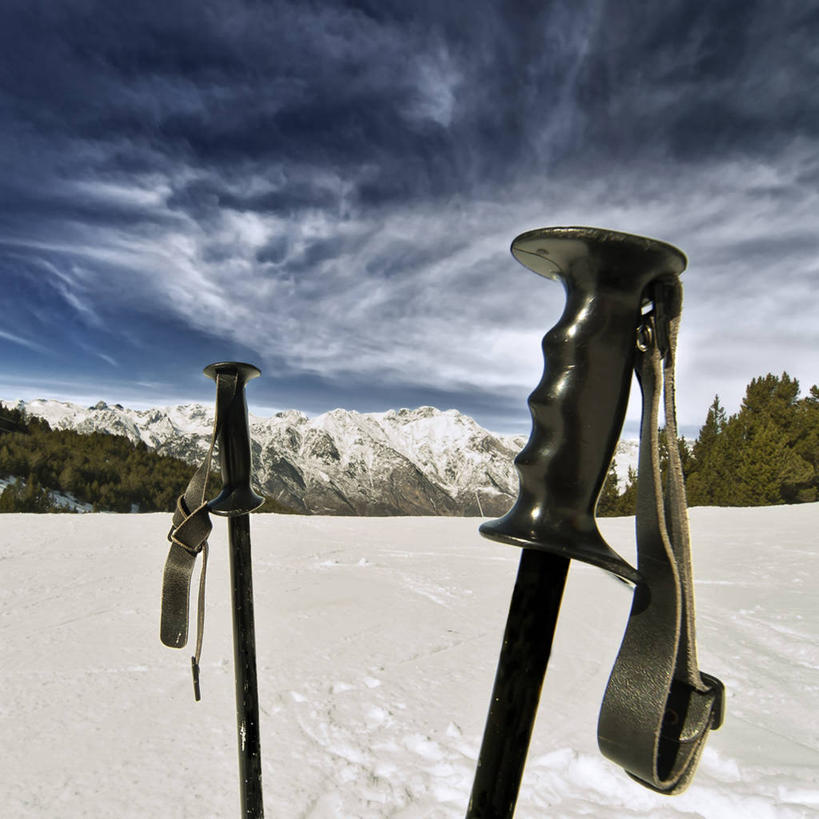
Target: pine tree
{"x":767,"y":453}
{"x":771,"y":397}
{"x":608,"y":501}
{"x":714,"y":424}
{"x":760,"y":462}
{"x":699,"y":478}
{"x":627,"y":504}
{"x":806,"y":446}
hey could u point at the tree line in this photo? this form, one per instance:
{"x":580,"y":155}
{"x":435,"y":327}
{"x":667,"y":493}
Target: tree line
{"x":767,"y":453}
{"x":108,"y":472}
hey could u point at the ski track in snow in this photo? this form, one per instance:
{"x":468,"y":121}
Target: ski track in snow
{"x":377,"y":642}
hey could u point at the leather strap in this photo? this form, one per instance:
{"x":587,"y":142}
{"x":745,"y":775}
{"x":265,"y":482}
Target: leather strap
{"x":658,"y":707}
{"x":189,"y":536}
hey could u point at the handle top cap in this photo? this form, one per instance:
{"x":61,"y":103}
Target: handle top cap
{"x":551,"y":252}
{"x":244,"y":371}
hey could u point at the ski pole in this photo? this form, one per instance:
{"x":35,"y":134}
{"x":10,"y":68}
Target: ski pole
{"x":577,"y":413}
{"x":189,"y":536}
{"x":235,"y":501}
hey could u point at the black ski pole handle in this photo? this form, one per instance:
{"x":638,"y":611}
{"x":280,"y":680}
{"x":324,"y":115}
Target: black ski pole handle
{"x":577,"y":412}
{"x":579,"y":405}
{"x":237,"y":496}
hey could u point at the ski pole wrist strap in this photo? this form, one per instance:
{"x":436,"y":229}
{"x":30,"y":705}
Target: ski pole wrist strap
{"x":189,"y":534}
{"x":658,"y":707}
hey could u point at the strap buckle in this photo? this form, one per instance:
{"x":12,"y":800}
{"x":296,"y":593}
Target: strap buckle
{"x":194,"y":529}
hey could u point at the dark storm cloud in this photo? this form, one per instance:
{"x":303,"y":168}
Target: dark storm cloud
{"x":440,"y":94}
{"x":411,"y":102}
{"x":332,"y":187}
{"x":404,"y":101}
{"x":701,"y":79}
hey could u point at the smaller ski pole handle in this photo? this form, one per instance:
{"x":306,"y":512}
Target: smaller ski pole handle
{"x":237,"y":497}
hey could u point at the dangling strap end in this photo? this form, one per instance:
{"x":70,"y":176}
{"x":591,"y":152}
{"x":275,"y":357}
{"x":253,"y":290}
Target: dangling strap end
{"x":197,"y":693}
{"x":189,"y":532}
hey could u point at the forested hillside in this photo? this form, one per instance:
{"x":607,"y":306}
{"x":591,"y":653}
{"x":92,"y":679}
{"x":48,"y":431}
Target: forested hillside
{"x":107,"y":472}
{"x":765,"y":454}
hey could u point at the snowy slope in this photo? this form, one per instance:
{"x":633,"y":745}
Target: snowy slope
{"x":377,"y":642}
{"x":408,"y":462}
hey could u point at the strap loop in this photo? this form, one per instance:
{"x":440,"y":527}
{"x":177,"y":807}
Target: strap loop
{"x":189,"y":536}
{"x":658,"y":708}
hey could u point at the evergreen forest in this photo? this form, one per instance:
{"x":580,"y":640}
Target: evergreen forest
{"x":106,"y":472}
{"x":767,"y":453}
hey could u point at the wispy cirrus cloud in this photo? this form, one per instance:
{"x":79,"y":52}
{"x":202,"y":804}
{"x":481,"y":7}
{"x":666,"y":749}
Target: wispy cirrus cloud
{"x":23,"y":342}
{"x":332,"y":189}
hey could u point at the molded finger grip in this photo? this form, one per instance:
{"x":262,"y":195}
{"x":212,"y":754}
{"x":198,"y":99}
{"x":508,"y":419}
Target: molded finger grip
{"x":579,"y":405}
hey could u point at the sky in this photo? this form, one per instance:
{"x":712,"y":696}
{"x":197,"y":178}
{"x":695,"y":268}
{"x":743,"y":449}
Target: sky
{"x":329,"y":190}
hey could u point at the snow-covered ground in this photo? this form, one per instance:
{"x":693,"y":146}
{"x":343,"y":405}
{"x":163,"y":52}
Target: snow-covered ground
{"x":377,"y":642}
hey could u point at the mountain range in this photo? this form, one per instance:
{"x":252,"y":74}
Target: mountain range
{"x":420,"y":461}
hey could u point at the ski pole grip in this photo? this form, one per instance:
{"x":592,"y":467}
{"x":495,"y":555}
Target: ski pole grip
{"x":579,"y":405}
{"x":237,"y":497}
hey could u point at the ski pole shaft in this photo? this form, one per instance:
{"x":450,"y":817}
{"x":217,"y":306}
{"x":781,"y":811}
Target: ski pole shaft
{"x":244,"y":654}
{"x":527,"y":643}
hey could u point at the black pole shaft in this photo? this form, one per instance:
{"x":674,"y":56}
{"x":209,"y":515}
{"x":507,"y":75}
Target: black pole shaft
{"x":244,"y":653}
{"x":527,"y":644}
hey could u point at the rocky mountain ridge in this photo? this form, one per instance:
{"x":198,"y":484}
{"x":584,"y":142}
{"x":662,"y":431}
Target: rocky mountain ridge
{"x":401,"y":462}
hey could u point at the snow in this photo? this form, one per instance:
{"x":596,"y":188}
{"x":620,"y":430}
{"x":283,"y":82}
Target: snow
{"x":377,"y":642}
{"x":626,"y":456}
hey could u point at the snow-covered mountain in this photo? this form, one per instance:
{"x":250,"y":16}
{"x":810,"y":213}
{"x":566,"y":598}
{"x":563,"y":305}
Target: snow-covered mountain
{"x":400,"y":462}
